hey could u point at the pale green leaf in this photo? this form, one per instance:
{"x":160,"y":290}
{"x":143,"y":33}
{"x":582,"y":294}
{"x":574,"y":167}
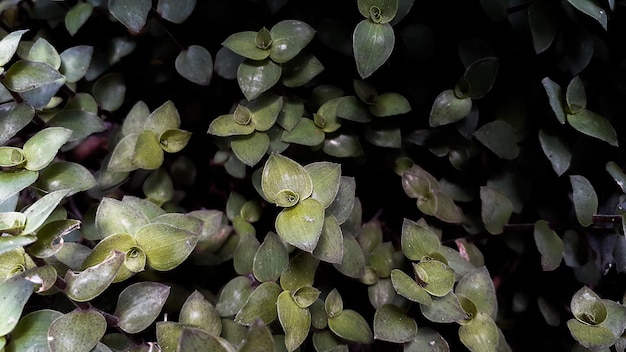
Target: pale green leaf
{"x":31,"y":333}
{"x":12,"y":182}
{"x":82,"y":123}
{"x":379,"y":11}
{"x":225,"y":125}
{"x":418,"y":241}
{"x":244,"y":44}
{"x":300,"y":272}
{"x":165,"y":246}
{"x":41,"y":148}
{"x":38,"y":212}
{"x":295,"y":321}
{"x":114,"y":216}
{"x":446,"y":309}
{"x":448,"y":108}
{"x":14,"y":292}
{"x":350,"y":325}
{"x":301,"y":70}
{"x":77,"y":331}
{"x":281,"y":173}
{"x":301,"y":225}
{"x":408,"y":288}
{"x":43,"y":51}
{"x":478,"y":287}
{"x":8,"y":45}
{"x":305,"y":132}
{"x":233,"y":296}
{"x":261,"y":304}
{"x":289,"y":37}
{"x":77,"y":16}
{"x":480,"y":334}
{"x":555,"y":98}
{"x":197,"y":311}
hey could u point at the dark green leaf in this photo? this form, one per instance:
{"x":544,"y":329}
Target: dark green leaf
{"x":305,"y":132}
{"x":350,"y":325}
{"x":393,"y":325}
{"x":300,"y":272}
{"x":556,"y":150}
{"x":195,"y":63}
{"x":295,"y":321}
{"x":175,"y":11}
{"x":82,"y":123}
{"x":585,"y":199}
{"x":592,"y":10}
{"x":408,"y":288}
{"x":301,"y":70}
{"x":131,"y":13}
{"x":555,"y":98}
{"x":499,"y":137}
{"x":543,"y":26}
{"x":378,"y":11}
{"x":594,"y":125}
{"x":372,"y":44}
{"x":250,"y":149}
{"x":497,"y":10}
{"x":260,"y":305}
{"x":496,"y":209}
{"x":448,"y":108}
{"x":256,"y":77}
{"x":109,"y":90}
{"x":330,"y":245}
{"x":244,"y":44}
{"x":481,"y":74}
{"x":289,"y":37}
{"x":270,"y":259}
{"x":14,"y":117}
{"x":12,"y":182}
{"x":549,"y":245}
{"x":233,"y":296}
{"x":353,"y":262}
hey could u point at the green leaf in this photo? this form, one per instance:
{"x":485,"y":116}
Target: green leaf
{"x":330,"y":245}
{"x":78,"y":330}
{"x":351,"y":108}
{"x":165,"y":246}
{"x":175,"y":11}
{"x":301,"y":70}
{"x":195,"y":63}
{"x":244,"y":44}
{"x":333,"y":304}
{"x":575,"y":95}
{"x":195,"y":339}
{"x":121,"y":242}
{"x":31,"y":333}
{"x":305,"y":132}
{"x":549,"y":245}
{"x":295,"y":321}
{"x":496,"y":209}
{"x":543,"y":27}
{"x":439,"y":277}
{"x":11,"y":157}
{"x":114,"y":216}
{"x":481,"y":74}
{"x":305,"y":296}
{"x":418,"y":241}
{"x":389,"y":104}
{"x":91,"y":282}
{"x":14,"y":117}
{"x":38,"y":212}
{"x":353,"y":261}
{"x":342,"y":205}
{"x":225,"y":125}
{"x":281,"y":173}
{"x":594,"y":125}
{"x":301,"y":225}
{"x":406,"y":287}
{"x":77,"y":16}
{"x":500,"y":138}
{"x":243,"y":257}
{"x":163,"y":118}
{"x":109,"y":90}
{"x":43,"y":51}
{"x":233,"y":296}
{"x":12,"y":182}
{"x":14,"y":292}
{"x":446,"y":309}
{"x":50,"y":237}
{"x":139,"y":304}
{"x":591,"y":9}
{"x":342,"y":146}
{"x":350,"y":325}
{"x":41,"y":148}
{"x":8,"y":45}
{"x":588,"y":307}
{"x":427,"y":340}
{"x":556,"y":150}
{"x":391,"y":324}
{"x":590,"y":336}
{"x":480,"y":334}
{"x":372,"y":44}
{"x":555,"y":98}
{"x":9,"y":243}
{"x":326,"y":180}
{"x":135,"y":119}
{"x":585,"y":199}
{"x":259,"y":339}
{"x":617,"y":174}
{"x":378,"y":11}
{"x":131,"y":13}
{"x":448,"y":108}
{"x":256,"y":77}
{"x":197,"y":311}
{"x":148,"y":153}
{"x":289,"y":37}
{"x":478,"y":287}
{"x":300,"y":272}
{"x":82,"y":123}
{"x":270,"y":259}
{"x":250,"y":149}
{"x":260,"y":305}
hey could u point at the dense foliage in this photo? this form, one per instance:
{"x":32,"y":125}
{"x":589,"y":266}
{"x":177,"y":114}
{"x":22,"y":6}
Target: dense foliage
{"x":312,"y":175}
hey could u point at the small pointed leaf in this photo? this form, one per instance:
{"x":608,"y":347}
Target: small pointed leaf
{"x":256,"y":77}
{"x":556,"y":150}
{"x":250,"y":149}
{"x":448,"y":108}
{"x":195,"y":63}
{"x":300,"y":272}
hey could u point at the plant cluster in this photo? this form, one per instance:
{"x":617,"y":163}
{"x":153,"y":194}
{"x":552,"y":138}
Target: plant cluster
{"x":364,"y":175}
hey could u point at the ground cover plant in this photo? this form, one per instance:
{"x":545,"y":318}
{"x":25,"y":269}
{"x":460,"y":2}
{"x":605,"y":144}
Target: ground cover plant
{"x":397,"y":175}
